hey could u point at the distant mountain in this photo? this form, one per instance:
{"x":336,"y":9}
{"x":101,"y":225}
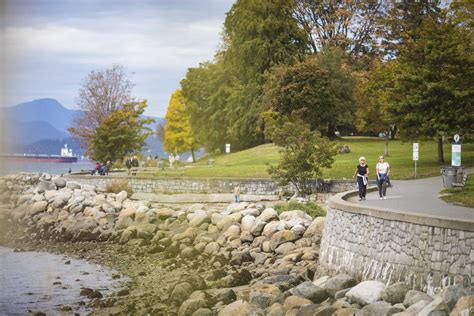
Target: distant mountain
{"x":47,"y":110}
{"x":40,"y":127}
{"x":30,"y":132}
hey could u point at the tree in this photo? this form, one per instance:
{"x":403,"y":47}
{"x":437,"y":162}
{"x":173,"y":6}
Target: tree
{"x":303,"y":155}
{"x":375,"y":94}
{"x":178,"y":133}
{"x":436,"y":82}
{"x":349,"y":25}
{"x":318,"y":90}
{"x":223,"y":96}
{"x":122,"y":132}
{"x":100,"y":94}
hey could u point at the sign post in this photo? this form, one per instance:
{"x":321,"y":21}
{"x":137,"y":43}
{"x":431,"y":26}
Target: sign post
{"x":415,"y":154}
{"x":456,"y":152}
{"x":227,"y":151}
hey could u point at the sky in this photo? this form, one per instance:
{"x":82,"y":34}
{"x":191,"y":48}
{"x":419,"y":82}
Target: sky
{"x":49,"y":46}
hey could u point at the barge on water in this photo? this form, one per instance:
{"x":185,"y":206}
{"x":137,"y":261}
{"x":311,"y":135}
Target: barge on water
{"x":65,"y":157}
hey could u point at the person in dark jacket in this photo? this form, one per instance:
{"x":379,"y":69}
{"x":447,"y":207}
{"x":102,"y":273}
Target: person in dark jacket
{"x":362,"y":174}
{"x":128,"y":165}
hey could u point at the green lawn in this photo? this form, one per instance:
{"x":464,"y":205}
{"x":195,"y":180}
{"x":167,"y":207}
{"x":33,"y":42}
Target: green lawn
{"x":252,"y":163}
{"x":461,"y":196}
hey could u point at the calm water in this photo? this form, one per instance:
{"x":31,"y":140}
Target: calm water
{"x":26,"y":282}
{"x":9,"y":167}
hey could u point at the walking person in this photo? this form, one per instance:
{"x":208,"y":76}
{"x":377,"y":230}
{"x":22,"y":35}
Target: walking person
{"x":128,"y":164}
{"x":362,"y":174}
{"x":237,"y":194}
{"x":382,"y":174}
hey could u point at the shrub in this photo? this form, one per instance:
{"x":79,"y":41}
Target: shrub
{"x":310,"y":208}
{"x":116,"y":186}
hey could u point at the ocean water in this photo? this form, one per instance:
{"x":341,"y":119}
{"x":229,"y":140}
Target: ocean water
{"x":40,"y":281}
{"x":10,"y":167}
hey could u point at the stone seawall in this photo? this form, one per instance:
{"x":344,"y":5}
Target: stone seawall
{"x":391,"y":246}
{"x":210,"y":185}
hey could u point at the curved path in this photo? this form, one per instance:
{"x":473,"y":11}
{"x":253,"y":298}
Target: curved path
{"x":418,"y":196}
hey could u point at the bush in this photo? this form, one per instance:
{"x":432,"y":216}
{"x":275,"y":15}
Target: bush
{"x":116,"y":186}
{"x":310,"y":208}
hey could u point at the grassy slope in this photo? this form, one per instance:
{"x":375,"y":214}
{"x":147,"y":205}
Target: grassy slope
{"x":251,"y":163}
{"x":461,"y":196}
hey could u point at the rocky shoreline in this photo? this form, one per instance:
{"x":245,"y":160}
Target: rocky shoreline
{"x":244,"y":259}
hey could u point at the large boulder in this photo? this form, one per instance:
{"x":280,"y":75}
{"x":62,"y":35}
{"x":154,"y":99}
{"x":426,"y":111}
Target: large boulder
{"x":281,"y":237}
{"x":247,"y":222}
{"x":395,"y":293}
{"x":338,"y":283}
{"x":451,"y":294}
{"x":366,"y":292}
{"x":413,"y":297}
{"x":180,"y":293}
{"x":377,"y":308}
{"x":268,"y":215}
{"x":263,"y":295}
{"x":199,"y":218}
{"x":45,"y":186}
{"x":240,"y":308}
{"x":315,"y":228}
{"x":310,"y":291}
{"x":463,"y":306}
{"x":293,"y":301}
{"x":257,"y":227}
{"x":297,"y":214}
{"x":229,"y":220}
{"x":38,"y":207}
{"x":435,"y":307}
{"x":190,"y":306}
{"x":59,"y":182}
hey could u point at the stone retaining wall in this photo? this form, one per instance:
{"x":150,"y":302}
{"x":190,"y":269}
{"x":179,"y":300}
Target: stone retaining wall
{"x":372,"y":244}
{"x":210,"y":185}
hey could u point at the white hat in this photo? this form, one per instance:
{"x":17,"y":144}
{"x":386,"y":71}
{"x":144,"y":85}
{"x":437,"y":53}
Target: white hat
{"x":362,"y":158}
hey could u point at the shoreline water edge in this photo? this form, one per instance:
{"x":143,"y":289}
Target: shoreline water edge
{"x":240,"y":259}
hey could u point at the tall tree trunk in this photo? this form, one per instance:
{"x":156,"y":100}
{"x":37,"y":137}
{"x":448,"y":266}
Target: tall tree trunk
{"x":386,"y":144}
{"x":440,"y":150}
{"x":192,"y":154}
{"x":331,"y":132}
{"x":393,"y":131}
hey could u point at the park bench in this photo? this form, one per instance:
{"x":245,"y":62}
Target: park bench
{"x":462,"y":183}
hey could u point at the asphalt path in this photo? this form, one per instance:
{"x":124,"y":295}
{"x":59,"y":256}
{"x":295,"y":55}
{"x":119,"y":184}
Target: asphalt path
{"x":419,"y":196}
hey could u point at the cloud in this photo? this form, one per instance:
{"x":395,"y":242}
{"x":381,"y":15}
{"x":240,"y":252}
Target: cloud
{"x":49,"y":48}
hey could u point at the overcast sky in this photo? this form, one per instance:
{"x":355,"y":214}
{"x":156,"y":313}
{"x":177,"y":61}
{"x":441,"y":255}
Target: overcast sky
{"x":49,"y":46}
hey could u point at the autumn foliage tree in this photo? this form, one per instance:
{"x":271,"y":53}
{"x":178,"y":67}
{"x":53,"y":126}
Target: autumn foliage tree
{"x":101,"y":93}
{"x":122,"y":132}
{"x":178,"y":134}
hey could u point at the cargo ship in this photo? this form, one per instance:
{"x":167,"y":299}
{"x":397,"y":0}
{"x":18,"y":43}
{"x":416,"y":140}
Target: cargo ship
{"x":66,"y":156}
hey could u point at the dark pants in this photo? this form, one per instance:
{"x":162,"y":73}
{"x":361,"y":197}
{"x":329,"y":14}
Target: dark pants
{"x":362,"y":187}
{"x":382,"y":183}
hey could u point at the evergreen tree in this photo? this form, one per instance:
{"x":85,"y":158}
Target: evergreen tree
{"x":178,"y":135}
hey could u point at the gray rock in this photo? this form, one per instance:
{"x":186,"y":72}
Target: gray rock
{"x":59,"y":182}
{"x":297,"y":214}
{"x":310,"y":291}
{"x":247,"y":222}
{"x":397,"y":308}
{"x":38,"y":207}
{"x":45,"y":186}
{"x":240,"y":308}
{"x":315,"y":228}
{"x":268,"y":215}
{"x":180,"y":293}
{"x":451,"y":294}
{"x":413,"y":297}
{"x":199,"y":219}
{"x":281,"y":237}
{"x":203,"y":312}
{"x":341,"y":293}
{"x":414,"y":309}
{"x":377,"y":308}
{"x":435,"y":307}
{"x":246,"y":236}
{"x":276,"y":310}
{"x":338,"y":283}
{"x":395,"y":293}
{"x":191,"y":305}
{"x":73,"y":185}
{"x":366,"y":292}
{"x":257,"y":227}
{"x":285,"y":248}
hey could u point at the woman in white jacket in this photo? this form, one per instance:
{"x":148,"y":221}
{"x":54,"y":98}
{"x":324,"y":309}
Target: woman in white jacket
{"x":382,"y":172}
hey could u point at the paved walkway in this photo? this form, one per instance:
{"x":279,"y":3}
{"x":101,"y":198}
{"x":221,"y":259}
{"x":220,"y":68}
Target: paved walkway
{"x":419,"y":196}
